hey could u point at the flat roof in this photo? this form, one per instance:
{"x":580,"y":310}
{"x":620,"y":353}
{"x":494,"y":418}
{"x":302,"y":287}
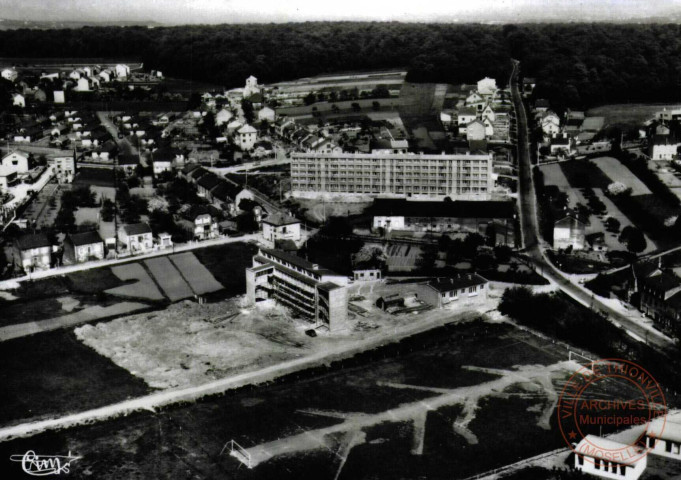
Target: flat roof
{"x":593,"y":442}
{"x":455,"y":209}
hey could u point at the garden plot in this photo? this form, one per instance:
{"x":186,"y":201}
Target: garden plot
{"x":619,"y":173}
{"x":169,"y":279}
{"x":144,"y":287}
{"x":199,"y":277}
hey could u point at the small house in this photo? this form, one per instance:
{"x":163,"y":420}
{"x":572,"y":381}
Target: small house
{"x":137,"y":237}
{"x":33,"y":252}
{"x":83,"y":247}
{"x":281,"y":227}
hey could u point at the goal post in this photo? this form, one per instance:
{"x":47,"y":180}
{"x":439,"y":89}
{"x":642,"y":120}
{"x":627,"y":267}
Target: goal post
{"x":580,"y":358}
{"x":238,"y":452}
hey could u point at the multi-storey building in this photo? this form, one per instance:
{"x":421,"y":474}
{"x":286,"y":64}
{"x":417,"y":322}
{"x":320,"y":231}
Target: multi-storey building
{"x":312,"y":292}
{"x":457,"y":176}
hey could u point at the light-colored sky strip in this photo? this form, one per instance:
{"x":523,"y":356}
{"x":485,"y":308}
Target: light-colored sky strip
{"x":237,"y":11}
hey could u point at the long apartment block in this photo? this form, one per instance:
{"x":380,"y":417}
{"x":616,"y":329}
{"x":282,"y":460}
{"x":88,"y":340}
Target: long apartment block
{"x":315,"y":293}
{"x":457,"y":176}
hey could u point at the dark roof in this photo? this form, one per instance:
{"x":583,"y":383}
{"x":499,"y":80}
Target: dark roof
{"x":209,"y":181}
{"x":463,"y":280}
{"x":33,"y":240}
{"x":663,"y":281}
{"x":85,"y":238}
{"x":165,"y":154}
{"x":477,"y":146}
{"x":542,"y":103}
{"x":195,"y":211}
{"x":190,"y":167}
{"x":136,"y":229}
{"x":198,"y":173}
{"x":225,"y":191}
{"x":128,"y":160}
{"x":328,"y":286}
{"x":291,"y":258}
{"x":279,"y":220}
{"x":562,"y":216}
{"x":455,"y":209}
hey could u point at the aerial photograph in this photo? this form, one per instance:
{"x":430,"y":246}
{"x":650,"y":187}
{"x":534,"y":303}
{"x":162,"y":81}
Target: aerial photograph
{"x":366,"y":240}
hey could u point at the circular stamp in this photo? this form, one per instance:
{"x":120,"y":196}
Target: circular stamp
{"x":607,"y":396}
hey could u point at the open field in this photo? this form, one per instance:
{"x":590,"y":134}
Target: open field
{"x":344,"y":108}
{"x":170,"y":280}
{"x":617,"y":172}
{"x":52,"y":373}
{"x":628,"y":113}
{"x":394,"y":382}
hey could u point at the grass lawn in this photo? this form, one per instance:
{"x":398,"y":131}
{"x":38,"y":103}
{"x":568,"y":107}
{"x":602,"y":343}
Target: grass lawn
{"x":53,"y":372}
{"x":93,"y":281}
{"x":583,"y":174}
{"x":628,"y":113}
{"x":227,"y":264}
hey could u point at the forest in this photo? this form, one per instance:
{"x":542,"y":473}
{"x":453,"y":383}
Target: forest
{"x":577,"y":65}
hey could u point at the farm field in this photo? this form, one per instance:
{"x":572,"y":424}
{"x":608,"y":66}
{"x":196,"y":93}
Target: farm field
{"x":143,"y":287}
{"x":170,"y":280}
{"x":495,"y":366}
{"x":629,"y":113}
{"x":668,"y":175}
{"x":198,"y":276}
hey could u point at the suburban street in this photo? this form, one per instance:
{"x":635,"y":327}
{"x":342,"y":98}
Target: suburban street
{"x":535,"y":250}
{"x":123,"y":143}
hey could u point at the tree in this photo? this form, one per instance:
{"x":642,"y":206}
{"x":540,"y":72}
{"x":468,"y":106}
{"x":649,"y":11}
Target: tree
{"x":612,"y":224}
{"x":376,"y":106}
{"x":107,"y":211}
{"x":334,"y":108}
{"x":355,"y":107}
{"x":633,"y":238}
{"x":66,"y":220}
{"x":310,"y":98}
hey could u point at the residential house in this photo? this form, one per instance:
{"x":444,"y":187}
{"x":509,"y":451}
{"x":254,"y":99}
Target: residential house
{"x":129,"y":164}
{"x":278,"y":226}
{"x":83,"y":247}
{"x":464,"y":117}
{"x":246,"y":137}
{"x":475,"y":101}
{"x":83,"y":85}
{"x":122,"y":71}
{"x":223,"y":116}
{"x":663,"y":436}
{"x":252,"y":87}
{"x":569,"y":231}
{"x":206,"y":184}
{"x":199,"y":220}
{"x":541,"y":105}
{"x":665,"y":144}
{"x":59,"y":96}
{"x":64,"y":168}
{"x":660,"y":297}
{"x":550,"y":123}
{"x":487,"y":87}
{"x":32,"y":252}
{"x":18,"y":100}
{"x":267,"y":114}
{"x":137,"y":237}
{"x":9,"y":74}
{"x":186,"y":171}
{"x":561,"y":144}
{"x":488,"y":113}
{"x":466,"y":289}
{"x":18,"y":161}
{"x":8,"y":177}
{"x":223,"y":195}
{"x":476,"y":130}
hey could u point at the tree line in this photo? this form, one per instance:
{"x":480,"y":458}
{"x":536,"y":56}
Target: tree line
{"x":577,"y":65}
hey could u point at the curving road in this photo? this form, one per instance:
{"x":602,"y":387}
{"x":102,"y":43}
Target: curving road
{"x":535,"y":248}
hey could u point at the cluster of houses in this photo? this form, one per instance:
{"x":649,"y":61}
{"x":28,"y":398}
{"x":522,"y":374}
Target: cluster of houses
{"x":664,"y":135}
{"x":481,"y":113}
{"x":566,"y":137}
{"x":54,"y":86}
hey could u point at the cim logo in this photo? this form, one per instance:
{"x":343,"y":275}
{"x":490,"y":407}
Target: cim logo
{"x":43,"y":465}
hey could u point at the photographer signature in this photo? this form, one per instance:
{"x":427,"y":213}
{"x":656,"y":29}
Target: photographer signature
{"x":43,"y":465}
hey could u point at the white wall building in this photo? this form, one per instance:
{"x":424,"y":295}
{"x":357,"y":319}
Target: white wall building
{"x":246,"y":137}
{"x":599,"y":457}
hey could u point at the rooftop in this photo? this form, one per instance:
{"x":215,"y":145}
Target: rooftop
{"x":454,"y":283}
{"x":137,"y":229}
{"x":455,"y":209}
{"x":591,"y":442}
{"x":85,"y":238}
{"x":33,"y":240}
{"x":279,"y":220}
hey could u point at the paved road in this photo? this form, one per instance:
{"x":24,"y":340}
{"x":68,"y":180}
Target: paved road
{"x":124,"y":144}
{"x":535,"y":248}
